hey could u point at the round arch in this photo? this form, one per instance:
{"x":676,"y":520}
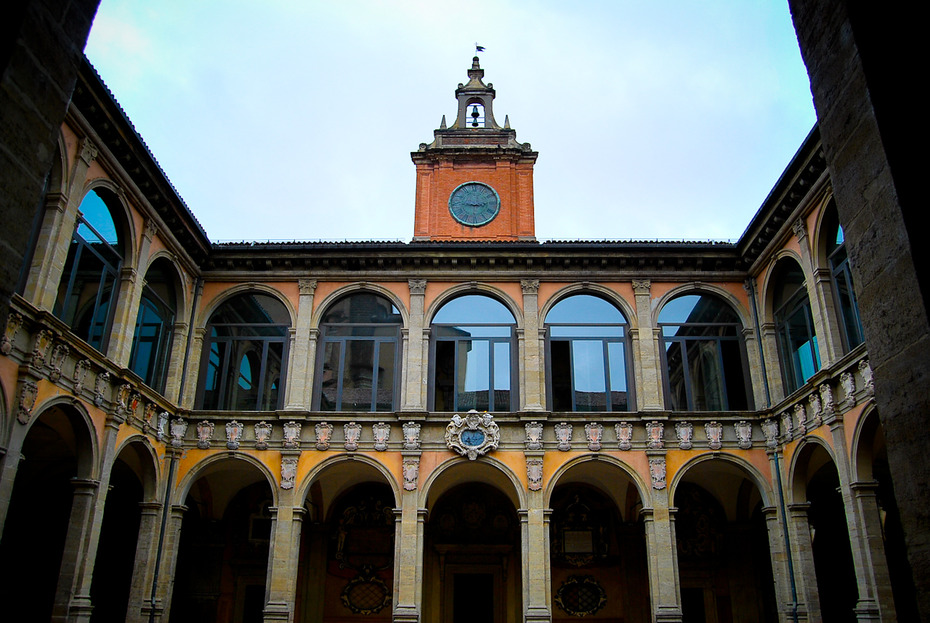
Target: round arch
{"x":594,"y":289}
{"x":322,"y":306}
{"x":319,"y":471}
{"x":203,"y":317}
{"x":473,"y":288}
{"x":772,"y":272}
{"x":614,"y":463}
{"x":122,"y":219}
{"x":703,"y":288}
{"x":87,"y":445}
{"x":58,"y":176}
{"x":164,"y":256}
{"x":801,"y":461}
{"x":867,"y":429}
{"x":748,"y":470}
{"x":488,"y":470}
{"x":826,"y":210}
{"x":213,"y":463}
{"x":145,"y":457}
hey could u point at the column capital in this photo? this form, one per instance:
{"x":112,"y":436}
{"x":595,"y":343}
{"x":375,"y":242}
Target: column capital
{"x":306,"y":286}
{"x":642,"y":287}
{"x":529,"y":286}
{"x":417,"y":286}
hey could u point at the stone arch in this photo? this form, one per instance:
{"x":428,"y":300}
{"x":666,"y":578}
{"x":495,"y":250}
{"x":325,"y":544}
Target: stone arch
{"x":642,"y":489}
{"x":594,"y":289}
{"x":506,"y":480}
{"x":319,"y":470}
{"x":474,"y":288}
{"x":772,"y":272}
{"x":801,"y":460}
{"x":826,"y":209}
{"x":122,"y":218}
{"x":213,"y":463}
{"x":749,"y":470}
{"x":87,"y":446}
{"x":148,"y":463}
{"x":243,"y":288}
{"x":355,"y":288}
{"x":182,"y":293}
{"x":697,"y":287}
{"x":58,"y":177}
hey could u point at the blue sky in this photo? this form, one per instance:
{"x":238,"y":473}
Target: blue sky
{"x":295,"y":120}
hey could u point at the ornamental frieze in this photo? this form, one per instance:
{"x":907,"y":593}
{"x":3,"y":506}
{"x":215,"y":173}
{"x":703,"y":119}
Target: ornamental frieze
{"x":474,"y":435}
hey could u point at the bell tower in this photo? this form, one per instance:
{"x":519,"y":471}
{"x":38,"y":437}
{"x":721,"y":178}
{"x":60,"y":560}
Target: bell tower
{"x":474,"y":181}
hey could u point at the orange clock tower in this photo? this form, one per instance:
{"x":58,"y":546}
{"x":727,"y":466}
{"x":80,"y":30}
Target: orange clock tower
{"x":474,"y":181}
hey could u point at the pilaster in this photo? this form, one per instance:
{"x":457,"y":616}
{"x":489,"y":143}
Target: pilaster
{"x":300,"y":367}
{"x":283,"y":553}
{"x":802,"y":553}
{"x":534,"y":540}
{"x":414,"y":374}
{"x":646,"y":349}
{"x":531,"y":392}
{"x":662,"y":550}
{"x":408,"y":559}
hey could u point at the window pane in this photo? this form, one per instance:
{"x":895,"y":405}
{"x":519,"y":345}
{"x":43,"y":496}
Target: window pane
{"x":706,"y":376}
{"x":329,"y":385}
{"x":617,"y":369}
{"x":584,"y":308}
{"x":586,"y":331}
{"x":588,"y":375}
{"x":445,"y":376}
{"x":473,"y":308}
{"x":271,"y":381}
{"x":675,"y":371}
{"x":473,"y":375}
{"x":384,"y":399}
{"x":502,"y":370}
{"x":560,"y":367}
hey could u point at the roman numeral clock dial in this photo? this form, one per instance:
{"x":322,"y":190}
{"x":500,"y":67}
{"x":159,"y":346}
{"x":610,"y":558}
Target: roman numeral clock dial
{"x":474,"y":204}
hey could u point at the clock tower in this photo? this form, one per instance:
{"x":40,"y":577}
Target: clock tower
{"x":474,"y":181}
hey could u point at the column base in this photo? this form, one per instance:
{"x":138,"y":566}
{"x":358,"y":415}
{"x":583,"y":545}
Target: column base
{"x":406,"y":614}
{"x":668,"y":614}
{"x":537,"y":615}
{"x":867,"y":610}
{"x":276,"y":611}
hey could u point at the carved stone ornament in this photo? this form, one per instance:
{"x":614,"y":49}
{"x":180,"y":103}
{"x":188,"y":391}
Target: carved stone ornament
{"x":40,"y":347}
{"x":411,"y":473}
{"x":135,"y":399}
{"x":292,"y":435}
{"x":13,"y":322}
{"x":563,"y":435}
{"x":59,"y":354}
{"x":178,"y":430}
{"x":366,"y":593}
{"x":417,"y":286}
{"x":534,"y":473}
{"x":770,"y":430}
{"x":205,"y":430}
{"x":866,"y":371}
{"x":411,"y":436}
{"x":103,"y":380}
{"x":28,"y":391}
{"x":324,"y":435}
{"x":534,"y":433}
{"x":787,"y":427}
{"x":685,"y":433}
{"x":848,"y":381}
{"x":529,"y":286}
{"x":381,"y":433}
{"x":800,"y":416}
{"x":624,"y":435}
{"x":593,"y":432}
{"x":122,"y":398}
{"x":642,"y":286}
{"x":306,"y":287}
{"x":743,"y":434}
{"x":714,"y":432}
{"x":816,"y":411}
{"x":80,"y":374}
{"x":655,"y":431}
{"x":162,"y":425}
{"x":262,"y":434}
{"x":580,"y":595}
{"x":288,"y":472}
{"x":233,"y":435}
{"x":827,"y":402}
{"x":657,"y":472}
{"x":352,"y":432}
{"x":474,"y":435}
{"x":148,"y":414}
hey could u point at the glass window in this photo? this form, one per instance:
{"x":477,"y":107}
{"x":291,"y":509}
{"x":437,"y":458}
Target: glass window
{"x":151,"y":342}
{"x":472,"y":341}
{"x":359,"y":355}
{"x":587,"y":338}
{"x":87,"y":290}
{"x":794,"y":327}
{"x":843,"y":283}
{"x":704,"y":357}
{"x":245,"y":355}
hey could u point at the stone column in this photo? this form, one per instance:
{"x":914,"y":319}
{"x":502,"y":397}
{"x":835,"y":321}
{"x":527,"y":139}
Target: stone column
{"x":300,"y":368}
{"x":534,"y":543}
{"x":189,"y":391}
{"x":874,"y":566}
{"x":143,"y":568}
{"x":781,"y":570}
{"x":9,"y":465}
{"x":772,"y":362}
{"x":176,"y":361}
{"x":827,"y":348}
{"x":283,"y":555}
{"x":58,"y":225}
{"x":662,"y":549}
{"x":802,"y":553}
{"x":408,"y":553}
{"x":646,"y":344}
{"x":169,"y":560}
{"x":414,"y":374}
{"x":87,"y":511}
{"x":531,"y":357}
{"x":129,"y":297}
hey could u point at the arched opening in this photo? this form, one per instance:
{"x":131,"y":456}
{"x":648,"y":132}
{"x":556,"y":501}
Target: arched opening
{"x":704,"y":355}
{"x":55,"y":452}
{"x":724,"y":561}
{"x":588,"y":359}
{"x":245,"y":355}
{"x":473,"y":344}
{"x":358,"y":367}
{"x":794,"y":325}
{"x":345,"y":569}
{"x":472,"y":566}
{"x":598,"y":547}
{"x":841,"y":276}
{"x":819,"y":483}
{"x":223,"y":551}
{"x":151,"y":342}
{"x":115,"y":563}
{"x":88,"y":288}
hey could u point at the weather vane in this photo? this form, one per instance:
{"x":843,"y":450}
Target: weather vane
{"x":478,"y":48}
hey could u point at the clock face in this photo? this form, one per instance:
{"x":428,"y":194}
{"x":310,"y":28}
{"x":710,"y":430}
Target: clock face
{"x":474,"y":204}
